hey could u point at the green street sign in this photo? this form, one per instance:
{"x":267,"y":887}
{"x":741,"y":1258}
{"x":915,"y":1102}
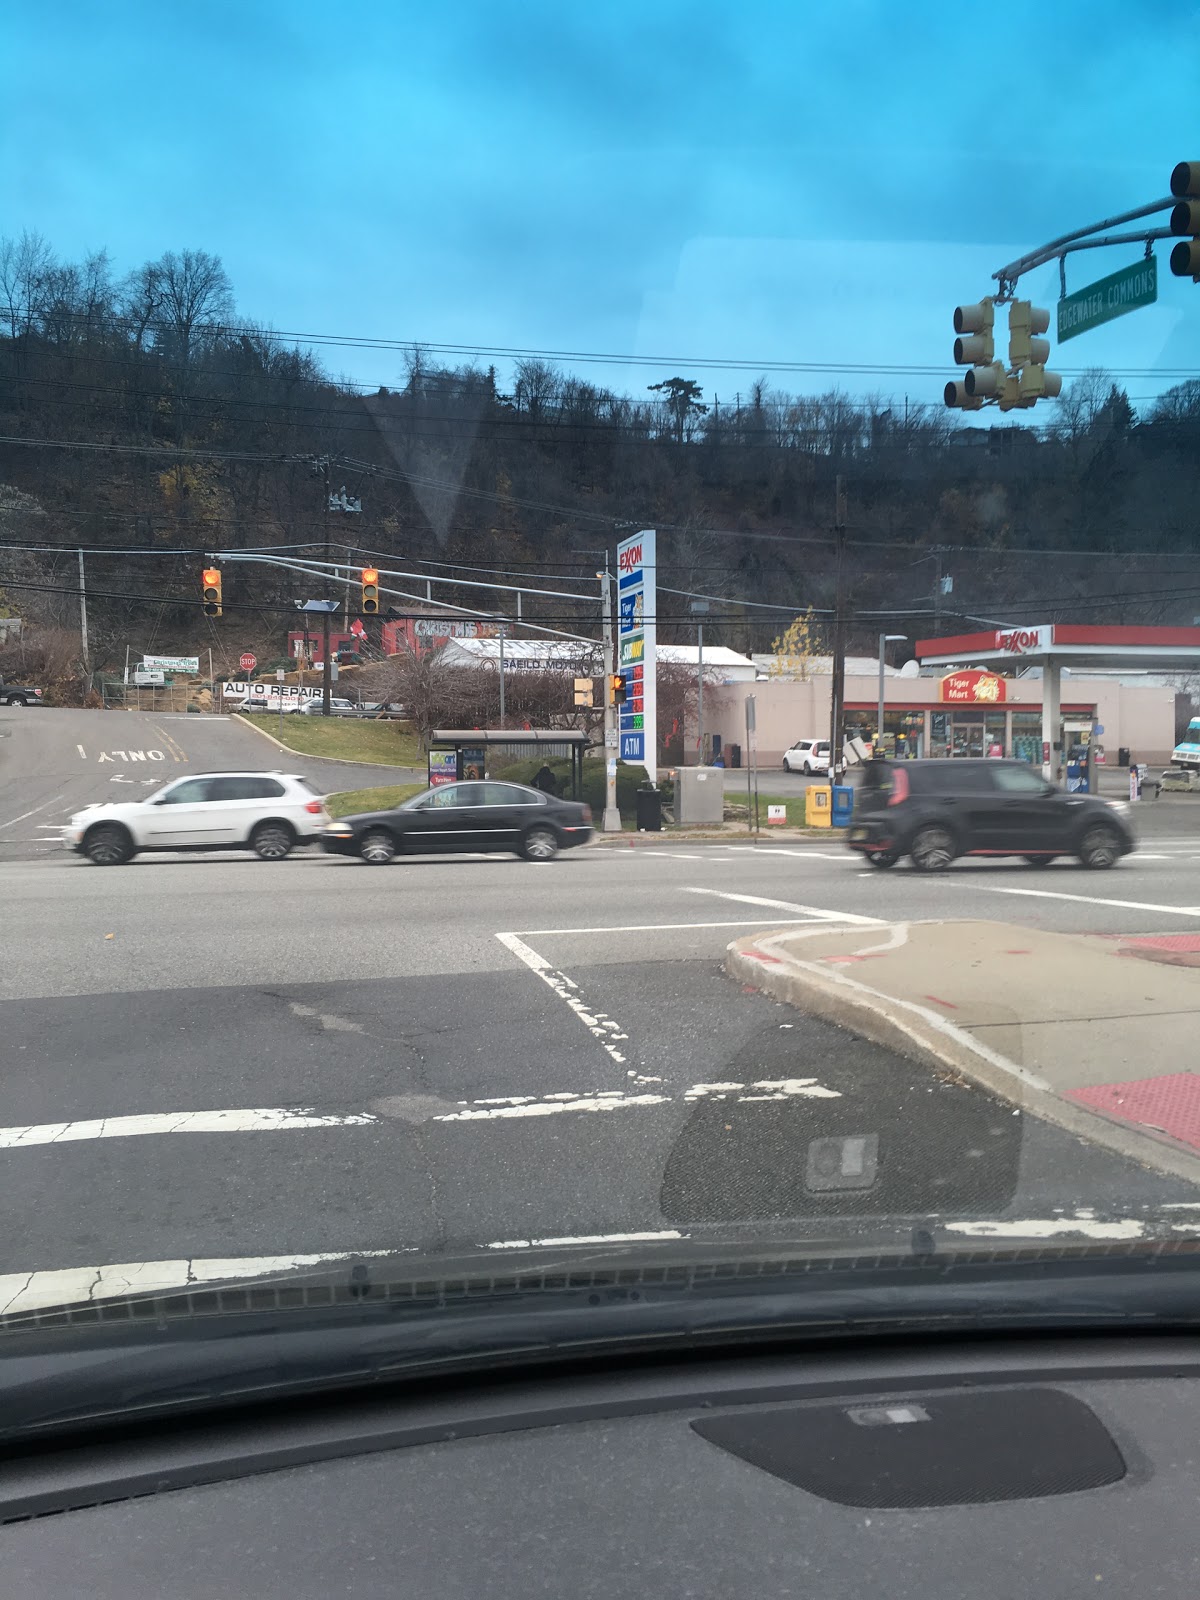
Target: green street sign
{"x":1112,"y":297}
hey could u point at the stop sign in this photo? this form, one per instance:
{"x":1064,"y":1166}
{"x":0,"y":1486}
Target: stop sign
{"x":249,"y":661}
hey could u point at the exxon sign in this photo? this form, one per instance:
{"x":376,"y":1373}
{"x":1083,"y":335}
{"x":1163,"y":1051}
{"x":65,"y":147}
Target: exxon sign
{"x":1023,"y":641}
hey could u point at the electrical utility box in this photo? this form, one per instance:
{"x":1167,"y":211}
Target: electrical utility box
{"x":699,"y":794}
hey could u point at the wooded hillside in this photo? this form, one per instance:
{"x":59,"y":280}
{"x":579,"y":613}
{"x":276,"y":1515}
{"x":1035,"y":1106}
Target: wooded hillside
{"x":143,"y":413}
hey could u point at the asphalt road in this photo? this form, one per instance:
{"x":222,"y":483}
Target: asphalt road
{"x":322,"y":1058}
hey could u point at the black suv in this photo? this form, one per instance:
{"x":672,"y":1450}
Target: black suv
{"x":933,"y":811}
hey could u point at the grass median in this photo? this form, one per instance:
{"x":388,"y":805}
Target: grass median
{"x":382,"y":744}
{"x":353,"y":801}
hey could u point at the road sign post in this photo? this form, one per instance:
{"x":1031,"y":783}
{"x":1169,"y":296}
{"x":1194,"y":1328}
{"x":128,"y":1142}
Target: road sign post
{"x":1110,"y":297}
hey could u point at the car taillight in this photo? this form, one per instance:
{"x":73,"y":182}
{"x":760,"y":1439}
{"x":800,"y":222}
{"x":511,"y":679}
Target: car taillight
{"x":587,"y":813}
{"x":899,"y":787}
{"x":315,"y":807}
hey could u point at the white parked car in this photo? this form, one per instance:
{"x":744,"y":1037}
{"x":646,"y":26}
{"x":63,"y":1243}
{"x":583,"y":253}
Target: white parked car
{"x":267,"y":812}
{"x":807,"y":756}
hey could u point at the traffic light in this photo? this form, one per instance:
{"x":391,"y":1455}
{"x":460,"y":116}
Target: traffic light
{"x":616,"y":689}
{"x":370,"y":589}
{"x":1185,"y":219}
{"x":977,"y":349}
{"x":1029,"y":352}
{"x":212,"y":591}
{"x":1025,"y":321}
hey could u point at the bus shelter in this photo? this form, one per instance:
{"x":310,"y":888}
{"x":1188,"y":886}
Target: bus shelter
{"x":463,"y":753}
{"x":1051,"y":646}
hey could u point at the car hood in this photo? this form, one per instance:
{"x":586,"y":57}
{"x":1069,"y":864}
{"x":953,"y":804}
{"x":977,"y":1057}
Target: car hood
{"x":110,"y":808}
{"x":360,"y":819}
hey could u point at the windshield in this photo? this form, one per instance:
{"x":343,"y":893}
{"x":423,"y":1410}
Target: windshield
{"x":597,"y":396}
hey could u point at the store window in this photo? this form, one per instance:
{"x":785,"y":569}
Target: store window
{"x":904,"y":734}
{"x":1027,"y":737}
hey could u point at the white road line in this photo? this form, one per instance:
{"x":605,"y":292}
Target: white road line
{"x":669,"y":927}
{"x":255,"y":1119}
{"x":615,"y":1101}
{"x":12,"y":821}
{"x":586,"y":1238}
{"x":598,"y":1024}
{"x":82,"y":751}
{"x":31,"y":1291}
{"x":1082,"y":899}
{"x":820,"y":913}
{"x":846,"y":857}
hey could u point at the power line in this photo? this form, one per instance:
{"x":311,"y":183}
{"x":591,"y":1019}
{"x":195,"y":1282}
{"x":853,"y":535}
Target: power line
{"x":536,"y":353}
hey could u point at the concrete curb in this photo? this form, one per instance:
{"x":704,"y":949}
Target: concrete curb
{"x":922,"y":1035}
{"x":337,"y":761}
{"x":650,"y":841}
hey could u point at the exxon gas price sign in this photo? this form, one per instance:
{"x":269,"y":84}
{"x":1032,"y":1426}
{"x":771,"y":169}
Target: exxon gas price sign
{"x":637,"y":564}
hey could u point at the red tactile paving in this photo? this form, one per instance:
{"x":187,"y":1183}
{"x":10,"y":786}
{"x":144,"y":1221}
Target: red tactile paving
{"x":1170,"y":1103}
{"x":1165,"y":941}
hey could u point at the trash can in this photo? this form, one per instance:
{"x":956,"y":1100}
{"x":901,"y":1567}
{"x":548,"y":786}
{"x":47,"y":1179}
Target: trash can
{"x":735,"y":755}
{"x":843,"y":805}
{"x":1123,"y":756}
{"x":649,"y":809}
{"x":816,"y":805}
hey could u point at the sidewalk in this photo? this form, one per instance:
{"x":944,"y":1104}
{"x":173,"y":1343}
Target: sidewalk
{"x":1096,"y":1034}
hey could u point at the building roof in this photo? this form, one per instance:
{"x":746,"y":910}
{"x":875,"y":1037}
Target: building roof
{"x":715,"y":655}
{"x":822,"y":666}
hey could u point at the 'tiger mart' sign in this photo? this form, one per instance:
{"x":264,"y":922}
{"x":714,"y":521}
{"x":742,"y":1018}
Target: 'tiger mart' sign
{"x":973,"y":688}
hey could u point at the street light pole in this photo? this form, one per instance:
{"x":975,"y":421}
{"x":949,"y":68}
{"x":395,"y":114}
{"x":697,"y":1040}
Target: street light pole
{"x":884,"y":640}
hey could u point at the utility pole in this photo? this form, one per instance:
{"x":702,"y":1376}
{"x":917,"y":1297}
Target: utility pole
{"x":699,"y":609}
{"x":83,"y":618}
{"x":501,"y":674}
{"x":326,"y":666}
{"x":837,"y":694}
{"x":612,"y":816}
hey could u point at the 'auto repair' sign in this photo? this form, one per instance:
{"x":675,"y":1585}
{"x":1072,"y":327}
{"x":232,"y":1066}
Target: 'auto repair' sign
{"x":973,"y":688}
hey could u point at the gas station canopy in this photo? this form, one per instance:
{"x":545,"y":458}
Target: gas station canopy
{"x":1066,"y":645}
{"x":1055,"y":645}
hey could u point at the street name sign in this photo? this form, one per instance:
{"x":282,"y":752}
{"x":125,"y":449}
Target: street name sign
{"x":1111,"y":297}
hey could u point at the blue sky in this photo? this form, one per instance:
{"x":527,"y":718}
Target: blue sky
{"x":795,"y":181}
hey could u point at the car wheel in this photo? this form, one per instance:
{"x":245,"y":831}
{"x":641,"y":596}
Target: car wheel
{"x":271,"y":841}
{"x":808,"y":769}
{"x":787,"y":765}
{"x":1039,"y":861}
{"x":108,"y":846}
{"x":539,"y":844}
{"x":932,"y":850}
{"x":1099,"y":848}
{"x":378,"y":848}
{"x":883,"y":858}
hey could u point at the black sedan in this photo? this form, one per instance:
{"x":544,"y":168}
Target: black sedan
{"x":464,"y":816}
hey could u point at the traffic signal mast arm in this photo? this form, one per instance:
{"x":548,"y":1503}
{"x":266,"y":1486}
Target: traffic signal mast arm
{"x":1185,"y":185}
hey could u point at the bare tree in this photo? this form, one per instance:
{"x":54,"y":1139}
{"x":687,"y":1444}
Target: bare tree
{"x":196,"y":297}
{"x":26,"y":267}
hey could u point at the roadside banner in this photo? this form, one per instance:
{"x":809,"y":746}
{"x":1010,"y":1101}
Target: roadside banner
{"x":170,"y":663}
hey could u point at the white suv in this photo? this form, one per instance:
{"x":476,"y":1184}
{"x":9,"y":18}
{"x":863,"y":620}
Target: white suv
{"x":267,"y":812}
{"x":807,"y":756}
